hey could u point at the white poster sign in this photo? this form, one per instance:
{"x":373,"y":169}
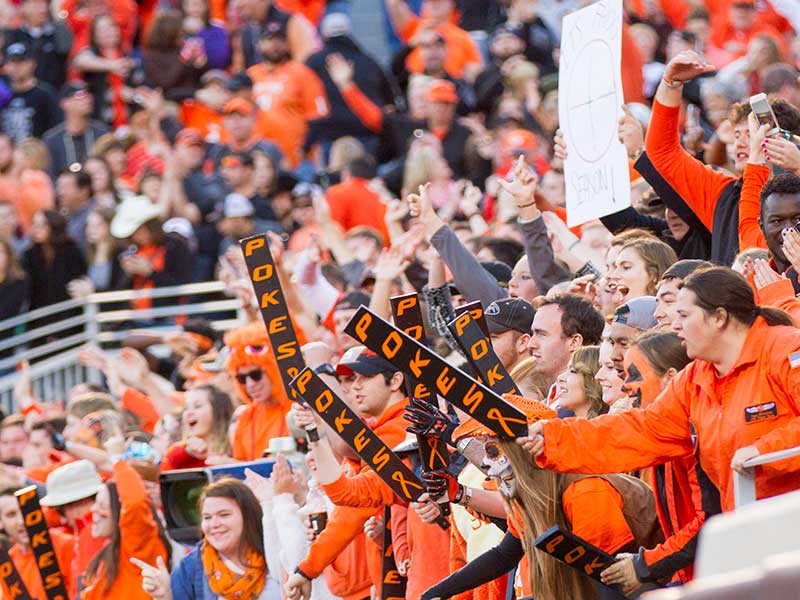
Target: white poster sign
{"x":589,"y":107}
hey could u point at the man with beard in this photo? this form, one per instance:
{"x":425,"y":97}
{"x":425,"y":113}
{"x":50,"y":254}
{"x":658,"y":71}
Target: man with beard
{"x":288,"y":94}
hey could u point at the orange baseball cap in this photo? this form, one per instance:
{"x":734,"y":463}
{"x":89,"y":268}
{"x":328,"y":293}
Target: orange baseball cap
{"x":533,"y":409}
{"x":519,"y":140}
{"x":239,"y":105}
{"x":442,"y":91}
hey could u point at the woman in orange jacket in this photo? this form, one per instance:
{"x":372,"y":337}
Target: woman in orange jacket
{"x":122,"y":512}
{"x":684,"y":495}
{"x":738,"y":399}
{"x":614,"y":512}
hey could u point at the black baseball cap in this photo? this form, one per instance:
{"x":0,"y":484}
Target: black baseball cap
{"x":352,"y":300}
{"x":509,"y":313}
{"x":363,"y":361}
{"x":18,"y":51}
{"x":499,"y":270}
{"x":73,"y":88}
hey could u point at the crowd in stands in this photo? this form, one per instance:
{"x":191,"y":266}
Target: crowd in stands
{"x":655,"y":350}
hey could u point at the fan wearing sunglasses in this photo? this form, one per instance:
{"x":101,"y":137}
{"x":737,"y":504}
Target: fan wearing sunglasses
{"x":254,"y":369}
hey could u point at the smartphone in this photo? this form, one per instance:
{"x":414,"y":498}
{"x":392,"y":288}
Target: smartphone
{"x":692,"y":116}
{"x":763,"y":112}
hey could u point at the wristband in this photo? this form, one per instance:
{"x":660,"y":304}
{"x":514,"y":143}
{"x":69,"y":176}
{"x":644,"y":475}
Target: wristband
{"x":459,"y":495}
{"x":300,"y":572}
{"x":672,"y":84}
{"x":526,"y":205}
{"x":466,"y":497}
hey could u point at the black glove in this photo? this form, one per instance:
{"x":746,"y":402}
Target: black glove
{"x":441,"y":483}
{"x":426,"y":419}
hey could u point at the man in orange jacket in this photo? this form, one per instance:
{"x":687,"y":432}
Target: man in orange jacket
{"x":376,"y":393}
{"x":21,"y":552}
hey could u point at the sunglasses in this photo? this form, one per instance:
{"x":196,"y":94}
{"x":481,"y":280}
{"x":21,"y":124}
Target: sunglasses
{"x":255,"y":375}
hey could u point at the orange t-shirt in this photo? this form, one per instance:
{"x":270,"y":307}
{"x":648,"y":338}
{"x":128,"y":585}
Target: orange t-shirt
{"x":288,"y":95}
{"x":352,"y":203}
{"x":202,"y":117}
{"x":25,"y":563}
{"x":461,"y":48}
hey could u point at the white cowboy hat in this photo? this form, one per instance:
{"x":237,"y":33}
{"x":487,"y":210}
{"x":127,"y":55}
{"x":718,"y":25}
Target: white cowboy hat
{"x":71,"y":482}
{"x":132,"y":214}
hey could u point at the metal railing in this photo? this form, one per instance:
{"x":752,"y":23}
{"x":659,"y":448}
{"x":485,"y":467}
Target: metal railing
{"x":744,"y":484}
{"x":50,"y":337}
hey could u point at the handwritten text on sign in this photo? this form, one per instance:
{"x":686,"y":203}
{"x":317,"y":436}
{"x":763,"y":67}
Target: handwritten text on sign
{"x":590,"y":102}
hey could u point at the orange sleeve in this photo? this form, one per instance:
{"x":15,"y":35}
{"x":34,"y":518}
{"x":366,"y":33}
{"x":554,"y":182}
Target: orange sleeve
{"x":697,"y":184}
{"x":139,"y":532}
{"x":753,"y":179}
{"x":780,"y":294}
{"x":344,"y":524}
{"x":472,"y":55}
{"x":366,"y":489}
{"x":315,"y":100}
{"x":623,"y":442}
{"x":125,"y":13}
{"x":65,"y":554}
{"x":140,"y":405}
{"x":594,"y":509}
{"x":410,"y":29}
{"x":363,"y":108}
{"x":632,"y":63}
{"x":400,"y":533}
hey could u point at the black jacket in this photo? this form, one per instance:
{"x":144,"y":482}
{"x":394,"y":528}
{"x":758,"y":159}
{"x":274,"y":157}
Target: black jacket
{"x":367,"y":75}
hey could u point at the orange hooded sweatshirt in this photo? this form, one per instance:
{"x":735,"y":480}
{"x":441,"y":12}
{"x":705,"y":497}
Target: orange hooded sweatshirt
{"x":250,"y":347}
{"x":757,"y":403}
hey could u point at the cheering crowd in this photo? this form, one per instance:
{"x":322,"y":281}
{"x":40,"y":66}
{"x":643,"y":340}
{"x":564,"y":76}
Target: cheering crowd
{"x":654,"y":350}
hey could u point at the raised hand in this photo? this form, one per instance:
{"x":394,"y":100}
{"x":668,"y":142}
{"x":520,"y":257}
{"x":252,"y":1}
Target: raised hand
{"x":758,"y":135}
{"x":155,"y":579}
{"x":340,"y":69}
{"x":630,"y":132}
{"x":520,"y":183}
{"x":391,"y":263}
{"x":685,"y":66}
{"x":782,"y":153}
{"x":426,"y":419}
{"x":791,"y":248}
{"x":276,"y":246}
{"x":764,"y":274}
{"x":259,"y":485}
{"x":559,"y":146}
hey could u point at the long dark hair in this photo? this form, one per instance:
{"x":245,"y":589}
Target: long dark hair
{"x":108,"y":557}
{"x":95,"y":48}
{"x":58,"y":228}
{"x":723,"y":288}
{"x":245,"y":499}
{"x":14,"y":271}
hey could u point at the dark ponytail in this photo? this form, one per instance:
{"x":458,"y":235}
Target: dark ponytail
{"x":721,"y":287}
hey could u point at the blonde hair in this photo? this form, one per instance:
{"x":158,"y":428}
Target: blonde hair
{"x":657,"y":257}
{"x":525,"y":375}
{"x":586,"y":362}
{"x":343,"y":151}
{"x":419,"y":168}
{"x":35,"y":151}
{"x":537,"y":507}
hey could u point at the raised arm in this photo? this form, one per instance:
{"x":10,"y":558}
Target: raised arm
{"x":696,"y":183}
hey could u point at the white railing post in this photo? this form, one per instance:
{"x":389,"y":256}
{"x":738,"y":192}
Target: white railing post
{"x":744,"y":484}
{"x":92,"y":328}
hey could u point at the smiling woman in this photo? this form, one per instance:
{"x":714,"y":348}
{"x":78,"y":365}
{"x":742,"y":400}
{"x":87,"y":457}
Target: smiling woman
{"x":229,"y":562}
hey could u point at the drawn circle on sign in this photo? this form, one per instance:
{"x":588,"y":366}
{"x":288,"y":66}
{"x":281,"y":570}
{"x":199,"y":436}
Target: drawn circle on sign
{"x":592,"y":92}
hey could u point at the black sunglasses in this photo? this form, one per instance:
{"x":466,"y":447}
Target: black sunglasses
{"x":255,"y":375}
